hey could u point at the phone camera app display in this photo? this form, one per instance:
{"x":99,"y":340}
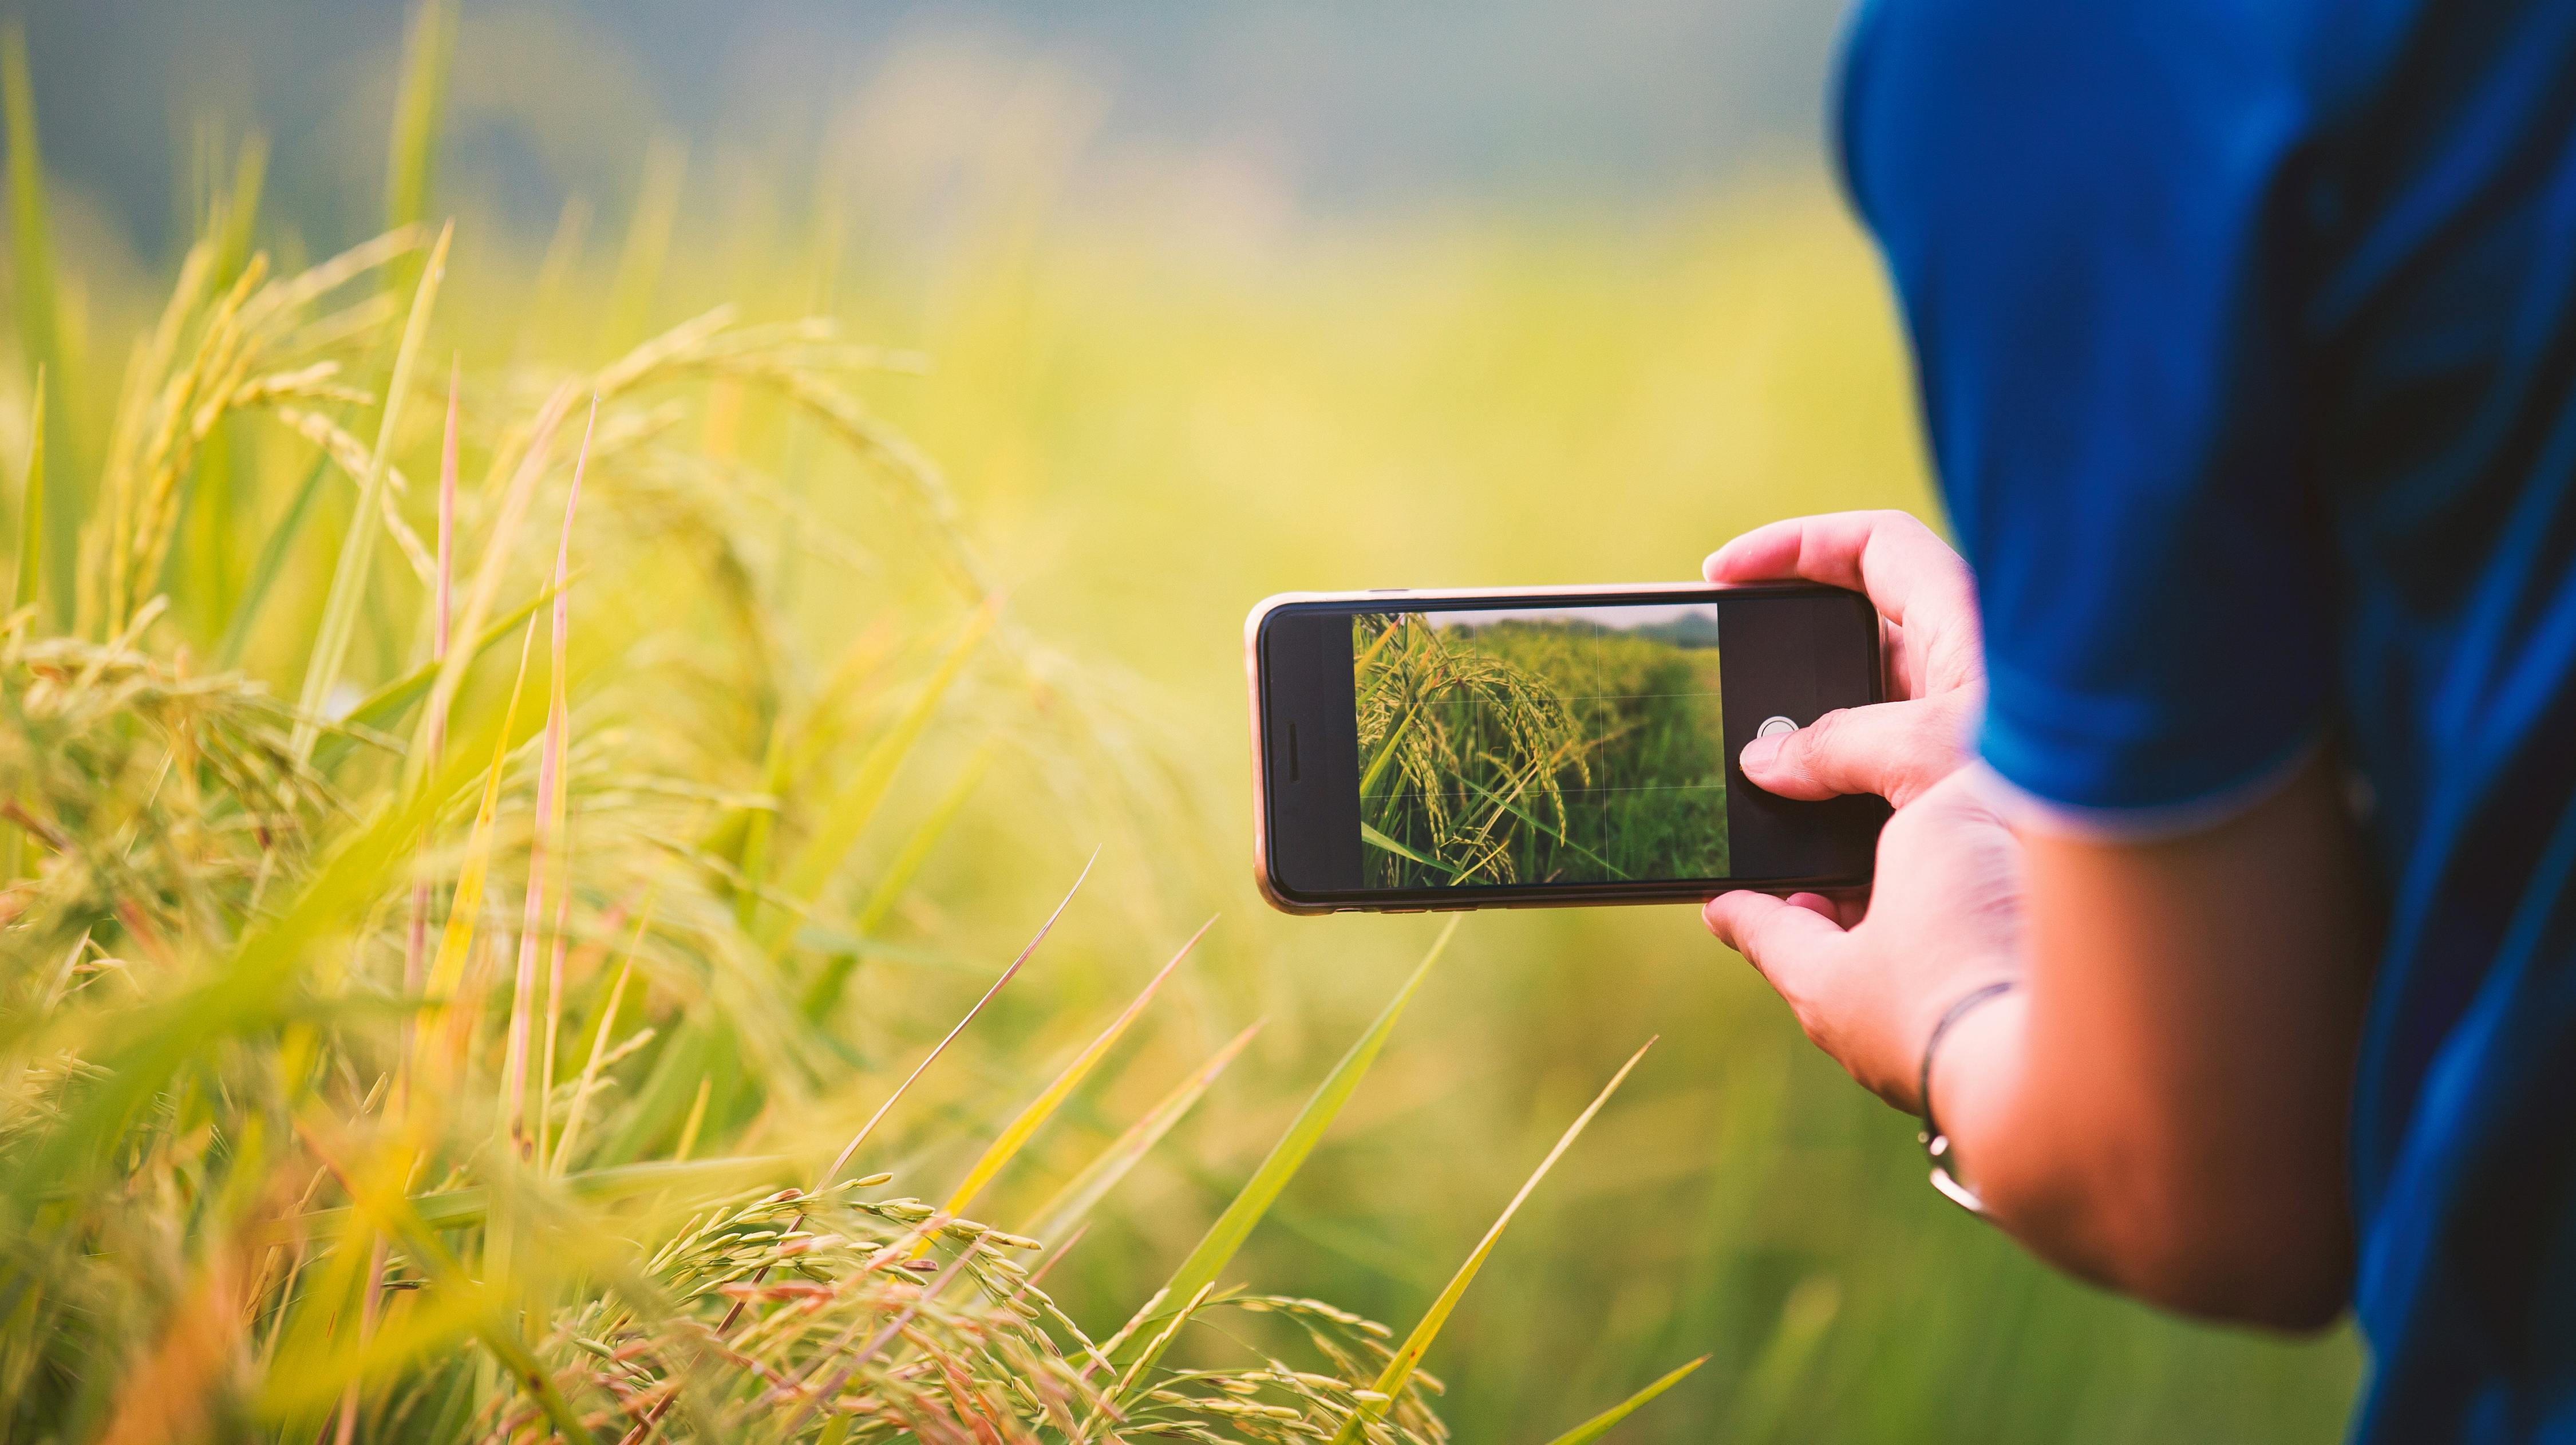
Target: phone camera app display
{"x":1540,"y":745}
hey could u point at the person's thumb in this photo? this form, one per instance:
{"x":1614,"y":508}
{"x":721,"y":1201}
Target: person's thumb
{"x":1787,"y":942}
{"x":1892,"y":749}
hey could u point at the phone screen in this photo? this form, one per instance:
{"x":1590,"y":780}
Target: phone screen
{"x":1535,"y":745}
{"x":1473,"y":750}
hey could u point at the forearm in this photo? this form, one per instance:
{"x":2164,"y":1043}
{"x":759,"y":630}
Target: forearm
{"x":2163,"y":1106}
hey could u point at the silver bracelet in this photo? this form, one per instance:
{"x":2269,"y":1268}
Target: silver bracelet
{"x":1936,"y":1145}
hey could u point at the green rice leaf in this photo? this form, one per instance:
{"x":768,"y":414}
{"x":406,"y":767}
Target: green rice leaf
{"x":1227,"y":1234}
{"x":419,"y":115}
{"x":846,"y":814}
{"x":38,"y":313}
{"x":38,"y":304}
{"x":358,"y":548}
{"x":1019,"y":1131}
{"x":825,"y":991}
{"x":1373,"y":836}
{"x":491,"y":1324}
{"x":1399,"y":1370}
{"x":466,"y":905}
{"x":384,"y":708}
{"x":466,"y":1208}
{"x":1599,"y":1425}
{"x":1057,"y":1217}
{"x":272,"y":561}
{"x":1770,"y":1390}
{"x":31,"y":505}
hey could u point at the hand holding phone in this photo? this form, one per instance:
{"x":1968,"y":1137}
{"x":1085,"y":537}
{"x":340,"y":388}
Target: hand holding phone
{"x":1549,"y":746}
{"x":1934,"y":655}
{"x":1944,"y":912}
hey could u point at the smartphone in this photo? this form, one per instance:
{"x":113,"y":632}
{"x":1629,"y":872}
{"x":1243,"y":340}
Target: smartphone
{"x":1533,"y":747}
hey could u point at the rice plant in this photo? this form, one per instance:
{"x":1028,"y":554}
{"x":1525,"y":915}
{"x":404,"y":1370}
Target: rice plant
{"x":1536,"y":750}
{"x":459,"y":1049}
{"x":1462,"y":750}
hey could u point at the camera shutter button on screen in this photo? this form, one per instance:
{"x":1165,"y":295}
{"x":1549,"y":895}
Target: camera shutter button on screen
{"x":1773,"y":727}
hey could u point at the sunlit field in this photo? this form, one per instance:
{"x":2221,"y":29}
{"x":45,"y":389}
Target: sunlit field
{"x":445,"y":913}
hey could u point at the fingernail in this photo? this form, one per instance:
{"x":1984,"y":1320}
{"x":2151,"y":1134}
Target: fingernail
{"x":1760,"y":752}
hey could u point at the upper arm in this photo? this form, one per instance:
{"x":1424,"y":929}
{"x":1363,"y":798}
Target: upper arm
{"x":2194,"y":1015}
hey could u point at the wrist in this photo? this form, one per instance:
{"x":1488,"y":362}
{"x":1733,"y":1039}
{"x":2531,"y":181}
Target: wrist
{"x":1966,"y":1051}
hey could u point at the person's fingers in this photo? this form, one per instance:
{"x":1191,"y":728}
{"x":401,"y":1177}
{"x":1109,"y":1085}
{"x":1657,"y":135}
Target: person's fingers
{"x":1890,"y":555}
{"x":1789,"y":944}
{"x":1892,"y":749}
{"x":1844,"y":913}
{"x":1907,"y":571}
{"x":1815,"y":903}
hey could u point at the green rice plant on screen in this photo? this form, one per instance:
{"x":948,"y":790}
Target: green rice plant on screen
{"x":1573,"y":745}
{"x":1462,"y":754}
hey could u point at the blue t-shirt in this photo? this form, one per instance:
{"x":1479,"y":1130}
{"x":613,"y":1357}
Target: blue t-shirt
{"x":2247,"y":344}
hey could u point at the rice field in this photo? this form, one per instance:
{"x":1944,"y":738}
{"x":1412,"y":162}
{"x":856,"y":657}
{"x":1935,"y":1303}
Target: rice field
{"x":1537,"y":749}
{"x":546,"y":776}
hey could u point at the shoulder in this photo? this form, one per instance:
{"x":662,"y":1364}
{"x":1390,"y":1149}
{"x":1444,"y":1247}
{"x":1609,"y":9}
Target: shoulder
{"x":2184,"y":73}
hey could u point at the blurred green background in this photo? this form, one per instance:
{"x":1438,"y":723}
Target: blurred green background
{"x":1232,"y":300}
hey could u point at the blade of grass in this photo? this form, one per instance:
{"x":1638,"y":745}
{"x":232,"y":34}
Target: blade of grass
{"x":272,"y":560}
{"x":1140,"y":1373}
{"x":847,"y":813}
{"x":1599,"y":1425}
{"x":385,"y":707}
{"x":834,"y":976}
{"x":38,"y":300}
{"x":416,"y":936}
{"x":515,"y":497}
{"x":457,"y":941}
{"x":394,"y":1215}
{"x":419,"y":112}
{"x":239,"y":205}
{"x":571,"y":1137}
{"x":358,"y":549}
{"x":1013,"y":1138}
{"x":1770,"y":1388}
{"x":843,"y":1158}
{"x":1374,"y":837}
{"x":549,"y":806}
{"x":38,"y":303}
{"x":31,"y":505}
{"x":558,"y":752}
{"x":1216,"y":1249}
{"x":1399,"y":1370}
{"x":1067,"y":1209}
{"x":454,"y":1209}
{"x":648,"y":240}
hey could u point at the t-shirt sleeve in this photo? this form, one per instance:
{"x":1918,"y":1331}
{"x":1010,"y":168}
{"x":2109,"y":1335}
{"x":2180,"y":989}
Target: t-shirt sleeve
{"x":2091,"y":214}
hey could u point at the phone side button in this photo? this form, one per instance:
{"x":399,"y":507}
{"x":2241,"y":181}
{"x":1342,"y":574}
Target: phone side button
{"x":1407,"y":910}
